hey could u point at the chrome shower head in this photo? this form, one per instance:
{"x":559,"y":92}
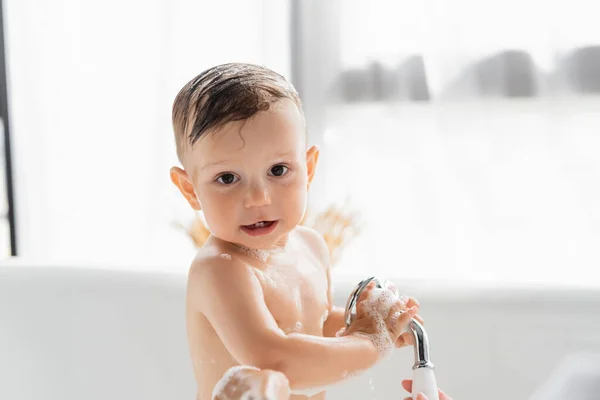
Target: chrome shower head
{"x":421,"y":343}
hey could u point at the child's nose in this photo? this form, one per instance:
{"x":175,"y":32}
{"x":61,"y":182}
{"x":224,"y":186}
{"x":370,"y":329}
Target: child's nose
{"x":257,"y":196}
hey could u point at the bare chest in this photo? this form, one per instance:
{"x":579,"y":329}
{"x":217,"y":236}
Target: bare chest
{"x":296,"y":295}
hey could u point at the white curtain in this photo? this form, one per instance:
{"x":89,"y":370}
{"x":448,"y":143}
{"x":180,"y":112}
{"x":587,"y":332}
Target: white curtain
{"x":466,"y":133}
{"x":91,"y":86}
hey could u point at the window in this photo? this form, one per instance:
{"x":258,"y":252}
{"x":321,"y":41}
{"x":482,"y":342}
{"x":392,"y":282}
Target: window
{"x":469,"y":149}
{"x":92,"y":175}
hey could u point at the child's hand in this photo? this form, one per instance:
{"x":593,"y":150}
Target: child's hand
{"x":381,"y":317}
{"x":406,"y":338}
{"x":407,"y":385}
{"x":248,"y":382}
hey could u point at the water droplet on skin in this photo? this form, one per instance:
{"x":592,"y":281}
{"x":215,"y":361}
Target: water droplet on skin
{"x":271,"y":282}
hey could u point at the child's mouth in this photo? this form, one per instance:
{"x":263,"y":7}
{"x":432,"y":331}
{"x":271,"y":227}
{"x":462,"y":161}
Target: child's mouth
{"x":260,"y":228}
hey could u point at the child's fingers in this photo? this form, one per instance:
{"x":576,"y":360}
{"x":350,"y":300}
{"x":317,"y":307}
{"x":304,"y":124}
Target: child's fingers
{"x":399,"y":318}
{"x":405,"y":317}
{"x":366,"y":292}
{"x":411,"y":302}
{"x":390,"y":286}
{"x":405,"y":339}
{"x":421,"y":396}
{"x":420,"y":319}
{"x":360,"y":303}
{"x":394,"y":314}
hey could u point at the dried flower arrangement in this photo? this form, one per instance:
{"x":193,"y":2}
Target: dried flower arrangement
{"x":337,"y":226}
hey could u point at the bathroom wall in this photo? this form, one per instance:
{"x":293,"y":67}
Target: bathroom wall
{"x":70,"y":332}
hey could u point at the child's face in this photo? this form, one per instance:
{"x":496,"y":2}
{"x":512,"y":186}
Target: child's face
{"x":251,"y":177}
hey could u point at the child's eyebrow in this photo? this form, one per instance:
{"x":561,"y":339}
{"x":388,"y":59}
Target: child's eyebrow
{"x":216,"y":163}
{"x":212,"y":164}
{"x":286,"y":154}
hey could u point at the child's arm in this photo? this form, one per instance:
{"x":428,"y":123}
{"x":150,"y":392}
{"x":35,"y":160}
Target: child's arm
{"x":335,"y":318}
{"x":228,"y":293}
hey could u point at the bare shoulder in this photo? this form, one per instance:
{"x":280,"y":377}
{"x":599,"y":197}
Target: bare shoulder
{"x":212,"y":271}
{"x":315,"y":241}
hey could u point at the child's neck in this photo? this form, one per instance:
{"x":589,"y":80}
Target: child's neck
{"x":262,"y":255}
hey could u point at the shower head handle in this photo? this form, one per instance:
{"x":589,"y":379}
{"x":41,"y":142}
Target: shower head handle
{"x":421,"y":343}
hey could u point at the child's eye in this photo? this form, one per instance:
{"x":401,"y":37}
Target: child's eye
{"x":227,"y":179}
{"x":279,"y":170}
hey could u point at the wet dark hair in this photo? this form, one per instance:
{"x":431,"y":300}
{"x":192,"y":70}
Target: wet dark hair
{"x":225,"y":93}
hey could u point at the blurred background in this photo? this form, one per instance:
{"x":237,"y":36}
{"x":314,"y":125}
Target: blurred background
{"x":464,"y":133}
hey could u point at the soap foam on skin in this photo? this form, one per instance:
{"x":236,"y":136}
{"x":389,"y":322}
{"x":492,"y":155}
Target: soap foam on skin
{"x":252,"y":387}
{"x":296,"y":328}
{"x":219,"y":389}
{"x":258,"y":254}
{"x":377,"y":305}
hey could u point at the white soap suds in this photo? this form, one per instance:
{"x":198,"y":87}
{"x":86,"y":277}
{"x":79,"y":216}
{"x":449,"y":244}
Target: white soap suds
{"x":296,"y":328}
{"x":377,"y":305}
{"x":395,"y":317}
{"x":226,"y":256}
{"x":270,"y":389}
{"x":270,"y":281}
{"x":258,"y":254}
{"x":242,"y":383}
{"x":371,"y":385}
{"x":251,"y":389}
{"x":272,"y":385}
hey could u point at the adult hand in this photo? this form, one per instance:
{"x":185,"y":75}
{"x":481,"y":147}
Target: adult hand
{"x":407,"y":385}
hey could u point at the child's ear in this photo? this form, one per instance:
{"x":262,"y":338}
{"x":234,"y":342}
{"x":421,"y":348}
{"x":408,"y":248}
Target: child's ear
{"x":312,"y":156}
{"x":180,"y":178}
